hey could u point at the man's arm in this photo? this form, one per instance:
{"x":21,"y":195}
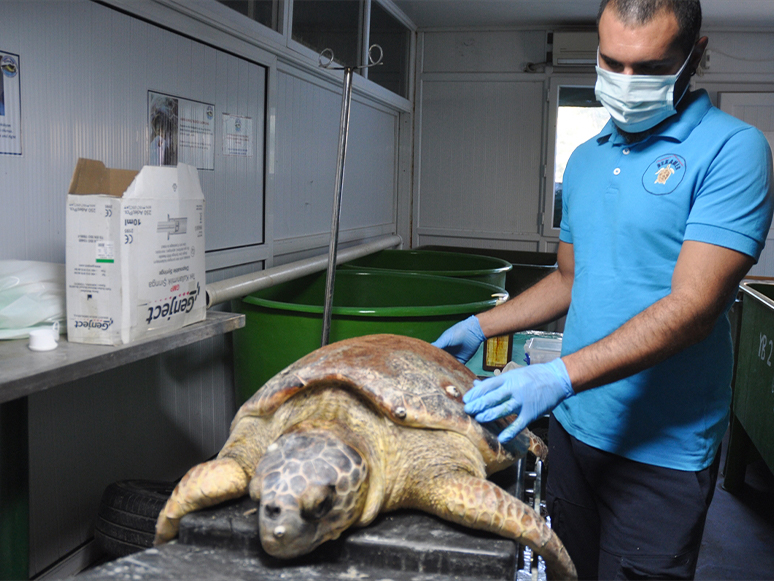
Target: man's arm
{"x":542,"y":303}
{"x":705,"y":278}
{"x":546,"y":301}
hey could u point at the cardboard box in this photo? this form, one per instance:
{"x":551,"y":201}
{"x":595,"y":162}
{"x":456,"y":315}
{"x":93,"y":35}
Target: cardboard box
{"x":135,"y":252}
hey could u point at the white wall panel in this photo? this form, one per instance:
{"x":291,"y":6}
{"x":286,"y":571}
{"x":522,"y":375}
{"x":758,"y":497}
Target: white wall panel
{"x":303,"y":180}
{"x":85,"y":73}
{"x":480,"y":158}
{"x":370,"y":189}
{"x":484,"y":243}
{"x":236,"y":211}
{"x":742,"y":54}
{"x":503,"y":51}
{"x":308,"y":120}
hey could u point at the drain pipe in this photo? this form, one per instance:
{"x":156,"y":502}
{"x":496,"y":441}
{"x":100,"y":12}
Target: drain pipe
{"x":232,"y":288}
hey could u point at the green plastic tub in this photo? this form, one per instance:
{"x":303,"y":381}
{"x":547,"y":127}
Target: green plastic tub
{"x":439,"y":263}
{"x":284,"y":322}
{"x":528,"y":267}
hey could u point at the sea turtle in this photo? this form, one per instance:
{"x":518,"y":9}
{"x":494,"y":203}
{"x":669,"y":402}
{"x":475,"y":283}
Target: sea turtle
{"x":359,"y":427}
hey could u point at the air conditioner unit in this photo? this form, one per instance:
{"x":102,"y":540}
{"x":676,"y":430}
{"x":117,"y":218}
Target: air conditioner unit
{"x":573,"y":49}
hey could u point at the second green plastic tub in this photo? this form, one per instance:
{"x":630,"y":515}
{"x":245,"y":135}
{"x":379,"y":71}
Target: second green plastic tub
{"x":455,"y":264}
{"x":284,"y":322}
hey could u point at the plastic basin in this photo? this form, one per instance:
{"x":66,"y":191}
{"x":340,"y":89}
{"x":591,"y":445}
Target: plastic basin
{"x":528,"y":267}
{"x":485,"y":269}
{"x":284,"y":322}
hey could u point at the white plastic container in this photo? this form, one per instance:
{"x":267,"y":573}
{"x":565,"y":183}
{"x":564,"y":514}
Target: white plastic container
{"x":542,"y":349}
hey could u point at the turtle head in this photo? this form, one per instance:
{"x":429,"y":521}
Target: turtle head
{"x":312,"y":486}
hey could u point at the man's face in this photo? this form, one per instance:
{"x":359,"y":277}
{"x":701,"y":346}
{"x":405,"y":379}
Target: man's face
{"x":647,"y":49}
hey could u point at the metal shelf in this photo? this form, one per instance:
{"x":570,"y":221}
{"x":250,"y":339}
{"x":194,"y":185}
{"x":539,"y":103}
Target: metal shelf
{"x":24,"y":372}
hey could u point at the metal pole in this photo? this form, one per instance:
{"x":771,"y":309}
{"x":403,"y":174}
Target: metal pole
{"x":331,"y":277}
{"x":239,"y":286}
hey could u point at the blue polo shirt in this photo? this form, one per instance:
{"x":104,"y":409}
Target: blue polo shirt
{"x":627,"y":208}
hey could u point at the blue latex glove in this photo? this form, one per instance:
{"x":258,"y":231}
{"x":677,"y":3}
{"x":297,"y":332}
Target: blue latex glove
{"x":462,"y":340}
{"x":530,"y":392}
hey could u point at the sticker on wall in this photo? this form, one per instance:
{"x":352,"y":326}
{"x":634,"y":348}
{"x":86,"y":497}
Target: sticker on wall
{"x":181,"y":131}
{"x":237,"y":135}
{"x":10,"y":104}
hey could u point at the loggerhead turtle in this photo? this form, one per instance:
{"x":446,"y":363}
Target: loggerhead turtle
{"x":359,"y":427}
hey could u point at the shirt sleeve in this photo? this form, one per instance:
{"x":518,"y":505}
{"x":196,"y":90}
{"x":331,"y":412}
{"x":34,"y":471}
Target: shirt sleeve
{"x":565,"y":234}
{"x":734,"y":202}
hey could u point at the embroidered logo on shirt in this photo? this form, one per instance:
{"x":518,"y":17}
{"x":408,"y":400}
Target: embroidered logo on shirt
{"x":664,"y":174}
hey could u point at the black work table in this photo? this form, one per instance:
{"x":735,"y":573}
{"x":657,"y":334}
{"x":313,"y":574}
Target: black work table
{"x":222,"y":543}
{"x":24,"y":372}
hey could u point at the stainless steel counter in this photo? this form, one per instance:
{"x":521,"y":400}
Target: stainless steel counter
{"x":24,"y":372}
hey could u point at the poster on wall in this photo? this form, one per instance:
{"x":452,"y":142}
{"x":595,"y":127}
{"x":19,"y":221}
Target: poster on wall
{"x":237,"y":135}
{"x":181,"y":131}
{"x":10,"y":104}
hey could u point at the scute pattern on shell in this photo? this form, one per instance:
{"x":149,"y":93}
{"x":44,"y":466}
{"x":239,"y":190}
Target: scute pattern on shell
{"x":408,"y":380}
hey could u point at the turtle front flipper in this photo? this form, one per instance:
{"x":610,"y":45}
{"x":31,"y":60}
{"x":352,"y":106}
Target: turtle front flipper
{"x":537,"y":446}
{"x":204,"y":485}
{"x":480,"y":504}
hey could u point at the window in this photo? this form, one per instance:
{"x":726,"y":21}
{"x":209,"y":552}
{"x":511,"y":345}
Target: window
{"x":337,"y":25}
{"x":266,"y":12}
{"x":577,"y":117}
{"x":340,"y":25}
{"x":395,"y":40}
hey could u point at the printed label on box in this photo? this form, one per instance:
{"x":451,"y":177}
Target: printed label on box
{"x":105,"y":252}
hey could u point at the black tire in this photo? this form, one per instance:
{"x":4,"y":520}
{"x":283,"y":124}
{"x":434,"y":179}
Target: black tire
{"x":126,"y":519}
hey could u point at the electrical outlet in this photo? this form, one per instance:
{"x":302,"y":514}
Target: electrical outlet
{"x":705,"y":60}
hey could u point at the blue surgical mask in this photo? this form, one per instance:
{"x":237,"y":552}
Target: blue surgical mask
{"x":638,"y":102}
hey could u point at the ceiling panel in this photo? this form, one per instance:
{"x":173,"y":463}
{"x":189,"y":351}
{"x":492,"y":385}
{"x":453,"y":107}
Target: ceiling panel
{"x":485,"y":13}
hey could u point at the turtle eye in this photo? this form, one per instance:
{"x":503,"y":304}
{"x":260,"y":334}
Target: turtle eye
{"x":316,"y":501}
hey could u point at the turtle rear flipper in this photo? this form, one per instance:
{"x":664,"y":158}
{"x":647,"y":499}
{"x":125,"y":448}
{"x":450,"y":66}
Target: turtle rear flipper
{"x":480,"y":504}
{"x":204,"y":485}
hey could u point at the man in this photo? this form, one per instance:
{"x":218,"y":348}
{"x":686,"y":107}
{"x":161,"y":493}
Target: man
{"x":663,"y":214}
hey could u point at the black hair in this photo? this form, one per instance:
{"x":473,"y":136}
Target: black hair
{"x":687,"y":12}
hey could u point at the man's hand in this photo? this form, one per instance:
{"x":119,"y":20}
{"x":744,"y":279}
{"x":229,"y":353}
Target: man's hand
{"x":462,"y":340}
{"x":529,"y":392}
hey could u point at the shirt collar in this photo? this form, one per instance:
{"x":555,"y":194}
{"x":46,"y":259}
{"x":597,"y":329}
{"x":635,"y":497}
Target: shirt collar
{"x":678,"y":127}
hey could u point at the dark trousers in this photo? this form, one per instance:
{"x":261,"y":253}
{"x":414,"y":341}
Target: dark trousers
{"x":621,"y":519}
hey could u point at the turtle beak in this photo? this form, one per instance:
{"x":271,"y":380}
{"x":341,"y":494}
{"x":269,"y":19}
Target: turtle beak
{"x":284,"y":532}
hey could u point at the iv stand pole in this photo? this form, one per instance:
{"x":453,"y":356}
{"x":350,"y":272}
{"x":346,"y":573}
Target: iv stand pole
{"x":331,"y":275}
{"x":343,"y":133}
